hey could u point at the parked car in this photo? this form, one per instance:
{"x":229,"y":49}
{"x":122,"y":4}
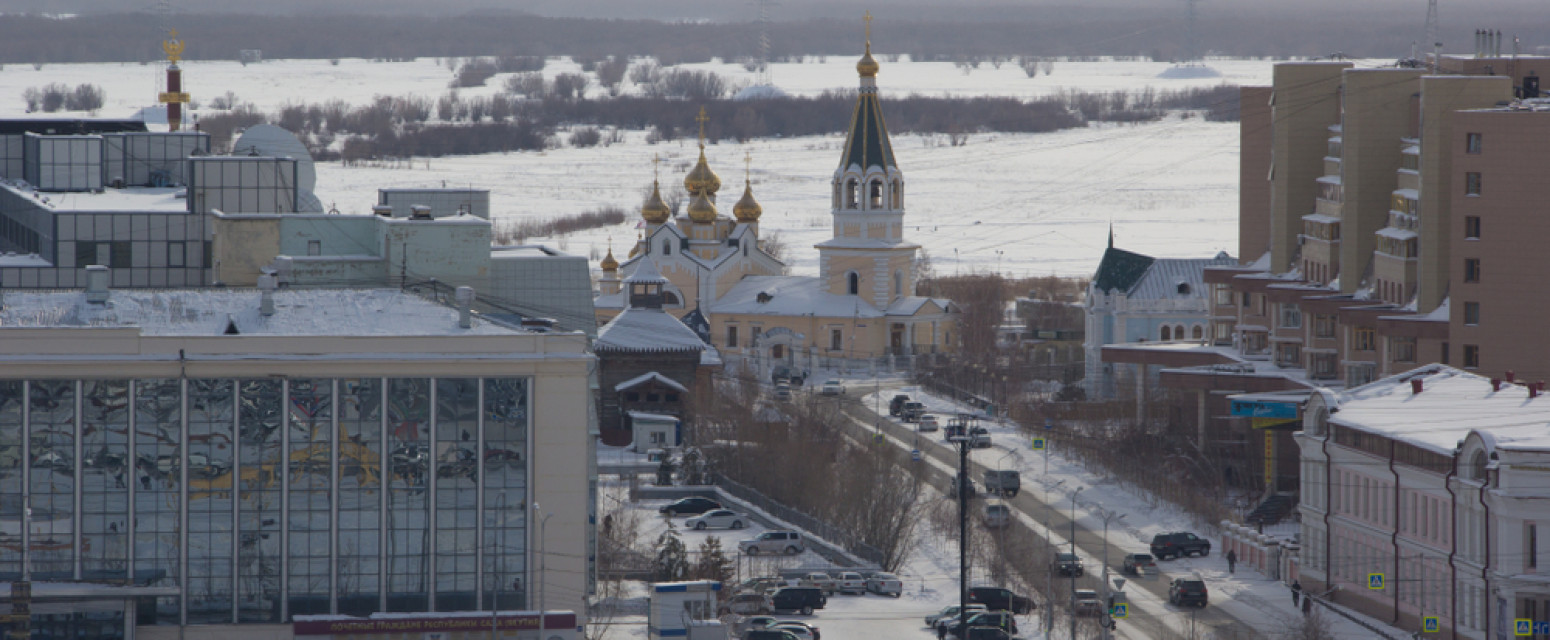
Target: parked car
{"x":759,"y":585}
{"x":1179,"y":544}
{"x":823,"y":581}
{"x":993,"y":619}
{"x":1187,"y":592}
{"x":997,"y":516}
{"x":801,"y":632}
{"x":717,"y":519}
{"x":747,"y":623}
{"x":769,"y":634}
{"x":885,"y":584}
{"x":913,"y":411}
{"x":979,"y":438}
{"x":832,"y":387}
{"x":896,"y":405}
{"x":748,"y":604}
{"x":689,"y":506}
{"x":928,"y":423}
{"x":968,"y":488}
{"x":1087,"y":603}
{"x":787,"y":542}
{"x":999,"y":599}
{"x":851,"y":582}
{"x":1137,"y":564}
{"x":1068,"y":564}
{"x":951,"y":611}
{"x":802,"y":599}
{"x":988,"y":633}
{"x":798,"y":624}
{"x":1003,"y":482}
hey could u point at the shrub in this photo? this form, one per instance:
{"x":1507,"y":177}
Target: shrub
{"x":585,"y":137}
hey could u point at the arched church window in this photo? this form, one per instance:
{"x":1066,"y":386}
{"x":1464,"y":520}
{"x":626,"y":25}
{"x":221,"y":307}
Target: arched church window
{"x":669,"y":297}
{"x":1197,"y":332}
{"x":875,"y":195}
{"x":667,"y":247}
{"x":850,"y":194}
{"x":853,"y":283}
{"x":1477,"y":464}
{"x":1178,"y":331}
{"x":1167,"y":333}
{"x":898,"y":284}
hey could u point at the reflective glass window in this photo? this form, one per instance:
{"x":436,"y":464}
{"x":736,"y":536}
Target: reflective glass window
{"x":105,"y":479}
{"x":259,"y":505}
{"x":311,"y":419}
{"x":505,"y":491}
{"x":209,"y":460}
{"x":158,"y":492}
{"x":11,"y":404}
{"x":51,"y":409}
{"x":408,"y":516}
{"x":457,"y":513}
{"x":360,"y":495}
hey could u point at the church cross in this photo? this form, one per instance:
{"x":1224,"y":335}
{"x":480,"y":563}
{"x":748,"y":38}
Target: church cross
{"x":702,"y":119}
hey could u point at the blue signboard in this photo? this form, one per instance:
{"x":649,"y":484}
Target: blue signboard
{"x":1429,"y":624}
{"x":1120,"y":611}
{"x":1522,"y":627}
{"x":1375,"y":581}
{"x":1263,"y":409}
{"x":1038,"y":444}
{"x":1541,"y":627}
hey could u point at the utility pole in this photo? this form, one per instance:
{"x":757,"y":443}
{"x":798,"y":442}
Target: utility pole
{"x":961,"y":440}
{"x":1074,"y":494}
{"x":1108,"y":516}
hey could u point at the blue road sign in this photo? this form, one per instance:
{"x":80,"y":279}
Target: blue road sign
{"x":915,"y":455}
{"x":879,"y":438}
{"x":1038,"y":444}
{"x":1049,"y":424}
{"x":1429,"y":624}
{"x":1375,"y":581}
{"x":1120,"y":611}
{"x":1541,"y":627}
{"x":1522,"y":627}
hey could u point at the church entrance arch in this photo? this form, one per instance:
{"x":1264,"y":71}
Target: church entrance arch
{"x":779,"y":347}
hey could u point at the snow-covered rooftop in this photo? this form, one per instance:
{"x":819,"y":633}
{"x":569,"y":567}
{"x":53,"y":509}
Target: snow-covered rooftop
{"x":661,"y":379}
{"x":792,"y":296}
{"x":1451,"y":404}
{"x":212,"y":312}
{"x":130,"y":199}
{"x":648,"y":330}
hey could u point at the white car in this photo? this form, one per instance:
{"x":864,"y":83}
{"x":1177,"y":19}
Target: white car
{"x":787,"y":542}
{"x":833,"y":388}
{"x":929,"y":422}
{"x":851,"y":582}
{"x":950,"y":612}
{"x":801,"y":631}
{"x":717,"y":519}
{"x":885,"y":584}
{"x":821,"y":580}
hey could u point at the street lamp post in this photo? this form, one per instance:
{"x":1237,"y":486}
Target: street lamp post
{"x":961,"y":441}
{"x":1074,"y":494}
{"x":543,"y":569}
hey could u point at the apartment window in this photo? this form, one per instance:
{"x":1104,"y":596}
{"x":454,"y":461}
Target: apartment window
{"x":1403,"y":349}
{"x":1364,"y":339}
{"x":652,"y":397}
{"x":836,"y":340}
{"x":632,"y":396}
{"x":1471,"y":313}
{"x":657,"y":437}
{"x":1471,"y":356}
{"x":1531,"y":546}
{"x":1472,"y":143}
{"x":1472,"y":227}
{"x":1291,"y":316}
{"x":314,"y":247}
{"x":1323,"y":326}
{"x":1223,"y":295}
{"x":1245,"y":299}
{"x":1444,"y":357}
{"x":1471,"y":269}
{"x":1472,"y":183}
{"x":732,"y":337}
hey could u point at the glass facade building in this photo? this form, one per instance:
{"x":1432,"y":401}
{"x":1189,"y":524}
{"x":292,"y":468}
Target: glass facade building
{"x":264,"y":498}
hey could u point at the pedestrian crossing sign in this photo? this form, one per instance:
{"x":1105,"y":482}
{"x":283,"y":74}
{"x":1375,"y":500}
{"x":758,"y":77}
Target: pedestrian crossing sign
{"x":1038,"y":444}
{"x":1120,"y":611}
{"x":879,"y":438}
{"x":1375,"y":581}
{"x":1429,"y":624}
{"x":1523,"y":627}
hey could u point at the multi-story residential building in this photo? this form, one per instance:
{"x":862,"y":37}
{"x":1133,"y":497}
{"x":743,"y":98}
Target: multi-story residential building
{"x":218,"y":463}
{"x":1361,"y":219}
{"x":1422,"y":494}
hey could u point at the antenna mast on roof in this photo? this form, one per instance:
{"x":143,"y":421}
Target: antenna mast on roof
{"x":1431,"y":28}
{"x":764,"y":77}
{"x":1191,"y":54}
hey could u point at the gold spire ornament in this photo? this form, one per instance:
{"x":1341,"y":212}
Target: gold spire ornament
{"x":701,"y":180}
{"x":701,"y":209}
{"x":867,"y":66}
{"x":609,"y":263}
{"x":172,"y":46}
{"x":747,"y":210}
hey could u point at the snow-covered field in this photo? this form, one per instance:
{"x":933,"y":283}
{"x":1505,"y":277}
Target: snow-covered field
{"x":1023,"y":204}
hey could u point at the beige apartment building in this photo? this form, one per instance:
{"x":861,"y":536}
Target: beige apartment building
{"x":1368,"y":204}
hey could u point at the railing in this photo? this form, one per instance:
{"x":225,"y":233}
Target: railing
{"x":800,"y":520}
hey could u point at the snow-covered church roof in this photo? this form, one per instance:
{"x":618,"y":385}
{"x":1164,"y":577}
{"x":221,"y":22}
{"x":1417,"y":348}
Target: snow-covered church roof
{"x":646,"y":331}
{"x":791,"y":296}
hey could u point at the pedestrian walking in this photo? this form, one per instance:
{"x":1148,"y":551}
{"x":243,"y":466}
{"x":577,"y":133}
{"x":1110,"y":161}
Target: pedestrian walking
{"x":1232,"y":560}
{"x":1296,"y":593}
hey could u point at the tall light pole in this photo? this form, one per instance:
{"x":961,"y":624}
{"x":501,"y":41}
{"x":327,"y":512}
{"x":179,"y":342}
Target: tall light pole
{"x":961,"y":440}
{"x":1107,"y":517}
{"x":1074,"y":494}
{"x":1049,"y":573}
{"x":543,"y":569}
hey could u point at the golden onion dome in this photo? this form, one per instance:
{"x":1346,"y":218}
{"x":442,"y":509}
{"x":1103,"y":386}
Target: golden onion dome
{"x":867,"y":66}
{"x":701,"y":179}
{"x":609,"y":263}
{"x":655,"y":210}
{"x":747,"y":209}
{"x":701,"y":209}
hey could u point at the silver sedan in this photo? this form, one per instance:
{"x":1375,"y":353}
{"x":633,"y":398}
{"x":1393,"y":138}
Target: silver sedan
{"x":717,"y":519}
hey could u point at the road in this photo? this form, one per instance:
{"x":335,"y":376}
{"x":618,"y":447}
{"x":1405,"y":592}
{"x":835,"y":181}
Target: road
{"x":1141,"y":623}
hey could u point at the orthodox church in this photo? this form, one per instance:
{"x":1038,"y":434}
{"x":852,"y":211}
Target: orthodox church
{"x":861,"y":305}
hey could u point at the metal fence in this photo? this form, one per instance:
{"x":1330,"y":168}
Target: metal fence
{"x":800,"y":520}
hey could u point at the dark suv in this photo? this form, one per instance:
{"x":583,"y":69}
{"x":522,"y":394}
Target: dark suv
{"x":998,"y":599}
{"x":1188,"y":591}
{"x":1179,"y":544}
{"x":689,"y":507}
{"x":1068,"y":564}
{"x":896,"y":405}
{"x":803,"y":599}
{"x":992,"y":619}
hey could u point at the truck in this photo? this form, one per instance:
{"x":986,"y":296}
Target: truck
{"x":1003,"y":482}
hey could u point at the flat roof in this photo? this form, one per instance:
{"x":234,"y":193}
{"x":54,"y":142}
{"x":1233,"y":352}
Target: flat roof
{"x":212,"y":312}
{"x":127,"y":200}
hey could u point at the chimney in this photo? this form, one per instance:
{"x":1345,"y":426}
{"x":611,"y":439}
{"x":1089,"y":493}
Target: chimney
{"x":384,"y":210}
{"x":419,"y":212}
{"x":1496,"y":384}
{"x":97,"y":284}
{"x":266,"y":286}
{"x":1511,"y":376}
{"x":1415,"y":385}
{"x":465,"y":302}
{"x":282,"y":269}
